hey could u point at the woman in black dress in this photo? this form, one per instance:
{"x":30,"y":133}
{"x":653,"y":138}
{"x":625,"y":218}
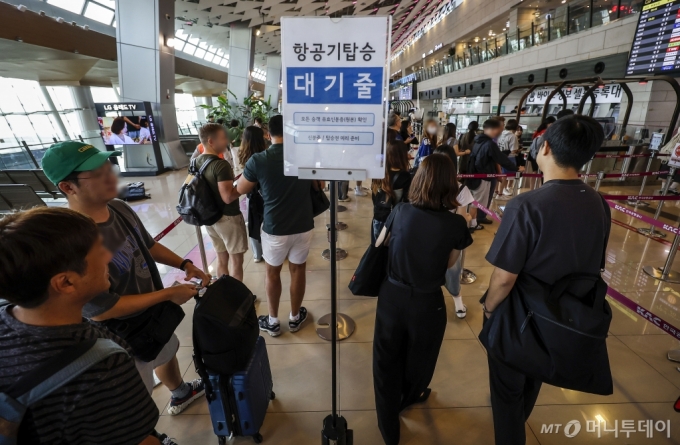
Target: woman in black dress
{"x":424,"y":240}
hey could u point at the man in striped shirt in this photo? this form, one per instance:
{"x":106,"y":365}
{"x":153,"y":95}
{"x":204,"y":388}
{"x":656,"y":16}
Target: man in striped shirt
{"x":52,"y":262}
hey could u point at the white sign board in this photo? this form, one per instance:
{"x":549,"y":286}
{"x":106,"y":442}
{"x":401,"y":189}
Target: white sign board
{"x":335,"y":78}
{"x":606,"y":95}
{"x":674,"y":161}
{"x":657,"y":139}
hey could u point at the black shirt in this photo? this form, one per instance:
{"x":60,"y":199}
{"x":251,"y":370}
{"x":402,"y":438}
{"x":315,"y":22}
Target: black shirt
{"x":559,"y":229}
{"x":487,"y":154}
{"x":421,"y":242}
{"x":401,"y":182}
{"x":287,"y":199}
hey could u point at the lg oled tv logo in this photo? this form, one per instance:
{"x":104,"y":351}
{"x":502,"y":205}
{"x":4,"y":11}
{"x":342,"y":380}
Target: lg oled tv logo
{"x":571,"y":429}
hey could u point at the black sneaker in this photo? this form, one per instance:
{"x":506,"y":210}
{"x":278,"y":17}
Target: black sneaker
{"x":272,"y":329}
{"x":484,"y":221}
{"x":296,"y":325}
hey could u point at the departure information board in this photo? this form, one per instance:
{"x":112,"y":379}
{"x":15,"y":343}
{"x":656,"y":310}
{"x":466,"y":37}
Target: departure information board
{"x":657,"y":39}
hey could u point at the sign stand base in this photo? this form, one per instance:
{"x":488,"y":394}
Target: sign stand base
{"x":345,"y":327}
{"x":467,"y":277}
{"x":651,"y":233}
{"x":335,"y":431}
{"x":657,"y":273}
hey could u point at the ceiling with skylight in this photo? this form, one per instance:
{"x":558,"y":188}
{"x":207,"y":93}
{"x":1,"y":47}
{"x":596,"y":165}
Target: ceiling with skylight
{"x":100,"y":10}
{"x":194,"y":46}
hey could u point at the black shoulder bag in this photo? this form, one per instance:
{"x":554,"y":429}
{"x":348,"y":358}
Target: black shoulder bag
{"x":320,"y":202}
{"x":555,"y":333}
{"x":147,"y":333}
{"x":372,"y":269}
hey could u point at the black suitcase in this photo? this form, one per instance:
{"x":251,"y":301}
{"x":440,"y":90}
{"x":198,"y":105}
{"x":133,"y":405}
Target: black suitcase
{"x":238,"y":403}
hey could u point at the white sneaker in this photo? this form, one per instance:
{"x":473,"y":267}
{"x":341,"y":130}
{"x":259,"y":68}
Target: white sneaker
{"x":507,"y":192}
{"x":359,"y":192}
{"x":503,"y":197}
{"x":346,"y":199}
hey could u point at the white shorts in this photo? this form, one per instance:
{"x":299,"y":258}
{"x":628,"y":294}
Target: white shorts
{"x":275,"y":248}
{"x":146,"y":368}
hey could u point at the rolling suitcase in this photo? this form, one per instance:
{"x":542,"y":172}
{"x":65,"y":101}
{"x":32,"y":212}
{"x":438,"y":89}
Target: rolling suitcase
{"x":238,"y":403}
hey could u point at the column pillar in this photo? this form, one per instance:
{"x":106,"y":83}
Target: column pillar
{"x":146,"y":67}
{"x":202,"y":113}
{"x":55,"y":114}
{"x":271,"y":87}
{"x":241,"y":58}
{"x":87,"y":115}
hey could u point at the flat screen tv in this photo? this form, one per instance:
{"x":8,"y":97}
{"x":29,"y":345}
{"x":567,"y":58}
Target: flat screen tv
{"x":125,"y":130}
{"x":657,"y":40}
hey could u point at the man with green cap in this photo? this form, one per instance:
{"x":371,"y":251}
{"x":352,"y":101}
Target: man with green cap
{"x":85,"y":175}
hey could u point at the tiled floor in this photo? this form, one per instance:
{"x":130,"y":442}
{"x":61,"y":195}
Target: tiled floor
{"x":646,"y":383}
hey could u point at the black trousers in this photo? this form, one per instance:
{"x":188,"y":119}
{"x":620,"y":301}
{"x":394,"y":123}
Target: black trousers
{"x":409,"y":329}
{"x":513,"y":396}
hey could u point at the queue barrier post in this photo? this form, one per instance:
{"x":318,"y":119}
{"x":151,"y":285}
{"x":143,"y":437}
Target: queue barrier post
{"x":637,"y":202}
{"x":587,"y":175}
{"x":650,"y":231}
{"x":201,"y":248}
{"x":515,"y":188}
{"x":666,"y":274}
{"x":598,"y":182}
{"x":466,"y":275}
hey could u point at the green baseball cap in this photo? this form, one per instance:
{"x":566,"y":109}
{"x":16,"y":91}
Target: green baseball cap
{"x":64,"y":158}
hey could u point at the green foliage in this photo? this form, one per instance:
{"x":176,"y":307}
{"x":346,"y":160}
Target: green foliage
{"x":251,"y":108}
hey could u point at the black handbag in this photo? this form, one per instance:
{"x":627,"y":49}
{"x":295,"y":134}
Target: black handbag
{"x":372,"y":269}
{"x":320,"y":202}
{"x":147,"y":333}
{"x":554,"y":333}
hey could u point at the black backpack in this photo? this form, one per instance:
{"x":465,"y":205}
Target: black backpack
{"x":224,"y":328}
{"x":197,"y":204}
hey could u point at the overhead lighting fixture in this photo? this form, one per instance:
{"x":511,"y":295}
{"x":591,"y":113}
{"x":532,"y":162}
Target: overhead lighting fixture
{"x":22,"y":8}
{"x":257,"y":33}
{"x":170,"y":42}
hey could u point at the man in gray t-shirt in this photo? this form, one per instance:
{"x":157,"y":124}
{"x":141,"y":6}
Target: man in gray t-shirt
{"x":86,"y":177}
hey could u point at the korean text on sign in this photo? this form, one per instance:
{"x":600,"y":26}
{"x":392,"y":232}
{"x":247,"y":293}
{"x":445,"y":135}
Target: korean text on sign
{"x":334,"y":85}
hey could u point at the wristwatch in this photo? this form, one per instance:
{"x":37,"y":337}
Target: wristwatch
{"x":184,"y":264}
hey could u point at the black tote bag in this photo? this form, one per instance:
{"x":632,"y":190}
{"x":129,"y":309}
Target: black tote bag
{"x":320,"y":202}
{"x":148,"y":332}
{"x":556,"y":334}
{"x":372,"y":269}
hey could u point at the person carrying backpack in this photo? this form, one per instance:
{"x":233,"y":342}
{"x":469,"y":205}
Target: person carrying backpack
{"x":392,"y":189}
{"x":99,"y":399}
{"x":228,"y":233}
{"x":556,"y":231}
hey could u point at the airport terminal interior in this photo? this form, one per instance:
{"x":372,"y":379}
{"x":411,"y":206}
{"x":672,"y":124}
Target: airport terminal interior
{"x":72,"y":70}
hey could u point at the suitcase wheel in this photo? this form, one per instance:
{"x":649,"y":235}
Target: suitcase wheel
{"x":257,"y":438}
{"x":222,"y":440}
{"x":272,"y":396}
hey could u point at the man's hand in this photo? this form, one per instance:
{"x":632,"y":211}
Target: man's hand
{"x":192,"y":271}
{"x":521,"y":169}
{"x":182,"y":293}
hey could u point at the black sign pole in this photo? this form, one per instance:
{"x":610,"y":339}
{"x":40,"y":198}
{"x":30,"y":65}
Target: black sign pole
{"x":334,"y":426}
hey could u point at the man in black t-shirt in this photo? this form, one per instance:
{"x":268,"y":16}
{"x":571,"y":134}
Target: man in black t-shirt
{"x":559,"y":229}
{"x":52,"y":262}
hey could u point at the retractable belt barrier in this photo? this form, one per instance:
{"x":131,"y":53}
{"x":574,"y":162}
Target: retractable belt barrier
{"x":540,"y":175}
{"x":644,"y":313}
{"x":641,"y":217}
{"x":642,"y":155}
{"x":167,"y":229}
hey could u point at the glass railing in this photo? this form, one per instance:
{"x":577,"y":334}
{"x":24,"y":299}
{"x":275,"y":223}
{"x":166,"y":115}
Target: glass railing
{"x":29,"y":156}
{"x":571,"y":18}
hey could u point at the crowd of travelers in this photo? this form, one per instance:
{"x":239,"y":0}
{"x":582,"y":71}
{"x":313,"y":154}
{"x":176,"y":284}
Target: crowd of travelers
{"x":89,"y":271}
